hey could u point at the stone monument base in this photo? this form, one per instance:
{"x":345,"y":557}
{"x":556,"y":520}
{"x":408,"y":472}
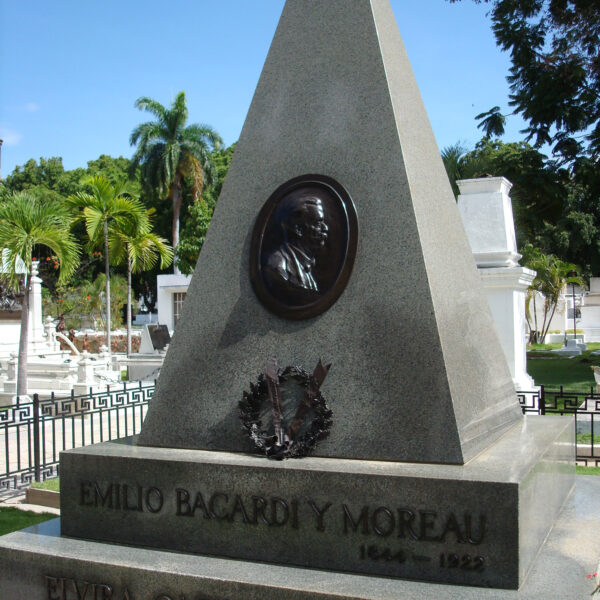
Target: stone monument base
{"x":37,"y":564}
{"x":478,"y":524}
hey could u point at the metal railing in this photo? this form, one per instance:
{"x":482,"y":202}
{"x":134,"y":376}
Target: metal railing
{"x":585,"y":408}
{"x":32,"y":434}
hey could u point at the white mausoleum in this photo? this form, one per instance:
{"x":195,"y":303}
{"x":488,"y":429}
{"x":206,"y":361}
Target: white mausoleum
{"x":486,"y":211}
{"x":170,"y":294}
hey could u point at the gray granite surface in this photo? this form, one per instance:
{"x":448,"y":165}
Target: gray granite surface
{"x":417,"y":371}
{"x":398,"y":519}
{"x":29,"y":556}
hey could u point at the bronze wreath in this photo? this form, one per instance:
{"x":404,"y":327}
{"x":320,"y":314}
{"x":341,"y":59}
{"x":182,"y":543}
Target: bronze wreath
{"x":266,"y":442}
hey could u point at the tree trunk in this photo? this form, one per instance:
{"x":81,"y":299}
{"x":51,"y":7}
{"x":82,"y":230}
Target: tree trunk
{"x":545,"y":330}
{"x":107,"y":271}
{"x":128,"y":306}
{"x":176,"y":199}
{"x":23,"y":340}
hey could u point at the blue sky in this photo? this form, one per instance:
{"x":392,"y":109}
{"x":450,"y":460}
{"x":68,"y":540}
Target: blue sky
{"x":70,"y":70}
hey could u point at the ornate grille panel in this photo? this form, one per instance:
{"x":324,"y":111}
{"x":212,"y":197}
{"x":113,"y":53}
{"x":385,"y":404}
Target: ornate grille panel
{"x":32,"y":434}
{"x":585,"y":408}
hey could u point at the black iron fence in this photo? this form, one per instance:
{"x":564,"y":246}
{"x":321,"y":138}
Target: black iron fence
{"x":585,"y":408}
{"x":32,"y":434}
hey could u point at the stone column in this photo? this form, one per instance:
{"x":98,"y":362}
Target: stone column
{"x":36,"y":325}
{"x":50,"y":329}
{"x":85,"y":374}
{"x":486,"y":211}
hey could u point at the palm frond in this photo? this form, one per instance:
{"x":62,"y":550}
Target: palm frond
{"x":151,"y":106}
{"x":27,"y":221}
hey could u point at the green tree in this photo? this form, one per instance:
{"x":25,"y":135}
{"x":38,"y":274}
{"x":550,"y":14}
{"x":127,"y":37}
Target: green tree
{"x":141,"y":250}
{"x":93,"y":291}
{"x":554,"y":82}
{"x":200,"y":214}
{"x":26,"y":222}
{"x":539,"y":190}
{"x":107,"y":209}
{"x":168,"y":151}
{"x":47,"y":176}
{"x":114,"y":169}
{"x":67,"y":305}
{"x":552,"y":274}
{"x":555,"y":72}
{"x":193,"y":236}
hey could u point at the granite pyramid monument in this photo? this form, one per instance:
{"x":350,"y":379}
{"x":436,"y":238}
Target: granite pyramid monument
{"x":336,"y":237}
{"x":417,"y":371}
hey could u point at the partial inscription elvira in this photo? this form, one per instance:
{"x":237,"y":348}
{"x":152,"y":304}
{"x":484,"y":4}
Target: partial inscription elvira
{"x":294,"y":395}
{"x":303,"y":246}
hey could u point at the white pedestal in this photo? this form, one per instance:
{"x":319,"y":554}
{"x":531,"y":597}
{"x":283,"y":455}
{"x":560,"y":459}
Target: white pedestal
{"x":506,"y":289}
{"x":486,"y":211}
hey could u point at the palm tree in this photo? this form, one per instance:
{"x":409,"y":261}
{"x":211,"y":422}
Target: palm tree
{"x":25,"y":222}
{"x":106,"y":209}
{"x":141,"y":250}
{"x":452,"y":158}
{"x":461,"y":163}
{"x":551,"y":276}
{"x":169,"y":151}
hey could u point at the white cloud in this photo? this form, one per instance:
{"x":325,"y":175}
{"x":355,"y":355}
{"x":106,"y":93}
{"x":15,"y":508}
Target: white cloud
{"x":9,"y":136}
{"x":31,"y":107}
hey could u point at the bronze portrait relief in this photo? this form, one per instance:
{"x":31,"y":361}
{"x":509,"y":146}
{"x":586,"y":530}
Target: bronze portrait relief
{"x":303,"y":246}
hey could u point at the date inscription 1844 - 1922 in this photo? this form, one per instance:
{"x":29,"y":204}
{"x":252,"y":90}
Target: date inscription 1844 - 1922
{"x":303,"y":246}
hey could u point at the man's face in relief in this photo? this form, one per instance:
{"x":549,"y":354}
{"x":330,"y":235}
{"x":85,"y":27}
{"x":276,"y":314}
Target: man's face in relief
{"x":313,"y":231}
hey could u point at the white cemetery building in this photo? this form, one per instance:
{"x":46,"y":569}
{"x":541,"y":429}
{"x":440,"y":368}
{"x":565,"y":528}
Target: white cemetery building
{"x":486,"y":211}
{"x":170,"y":295}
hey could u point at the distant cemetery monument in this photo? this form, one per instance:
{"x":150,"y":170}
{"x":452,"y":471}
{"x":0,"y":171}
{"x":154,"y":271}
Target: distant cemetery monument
{"x":335,"y":417}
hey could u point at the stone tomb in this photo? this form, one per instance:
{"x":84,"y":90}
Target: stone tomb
{"x":336,"y":237}
{"x":478,"y":524}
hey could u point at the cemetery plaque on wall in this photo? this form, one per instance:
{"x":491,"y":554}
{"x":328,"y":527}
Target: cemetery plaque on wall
{"x":159,"y":334}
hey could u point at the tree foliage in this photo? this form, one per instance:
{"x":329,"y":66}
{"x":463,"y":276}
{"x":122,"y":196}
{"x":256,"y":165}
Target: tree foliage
{"x":554,"y":77}
{"x":169,"y":151}
{"x":552,"y":274}
{"x":105,"y":210}
{"x":539,"y":190}
{"x":47,"y":179}
{"x":27,"y":222}
{"x":82,"y":306}
{"x":553,"y":211}
{"x":141,"y":250}
{"x":93,"y":292}
{"x":200,"y":214}
{"x":554,"y":80}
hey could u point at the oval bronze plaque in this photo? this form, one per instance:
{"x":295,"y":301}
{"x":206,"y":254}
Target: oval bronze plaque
{"x":303,"y":246}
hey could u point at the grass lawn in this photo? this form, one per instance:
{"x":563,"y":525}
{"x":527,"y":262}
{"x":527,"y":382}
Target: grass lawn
{"x":552,"y":371}
{"x":586,"y":438}
{"x":49,"y":484}
{"x":12,"y":519}
{"x":587,"y":470}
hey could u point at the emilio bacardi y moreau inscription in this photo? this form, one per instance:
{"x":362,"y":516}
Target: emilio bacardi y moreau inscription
{"x":392,"y":536}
